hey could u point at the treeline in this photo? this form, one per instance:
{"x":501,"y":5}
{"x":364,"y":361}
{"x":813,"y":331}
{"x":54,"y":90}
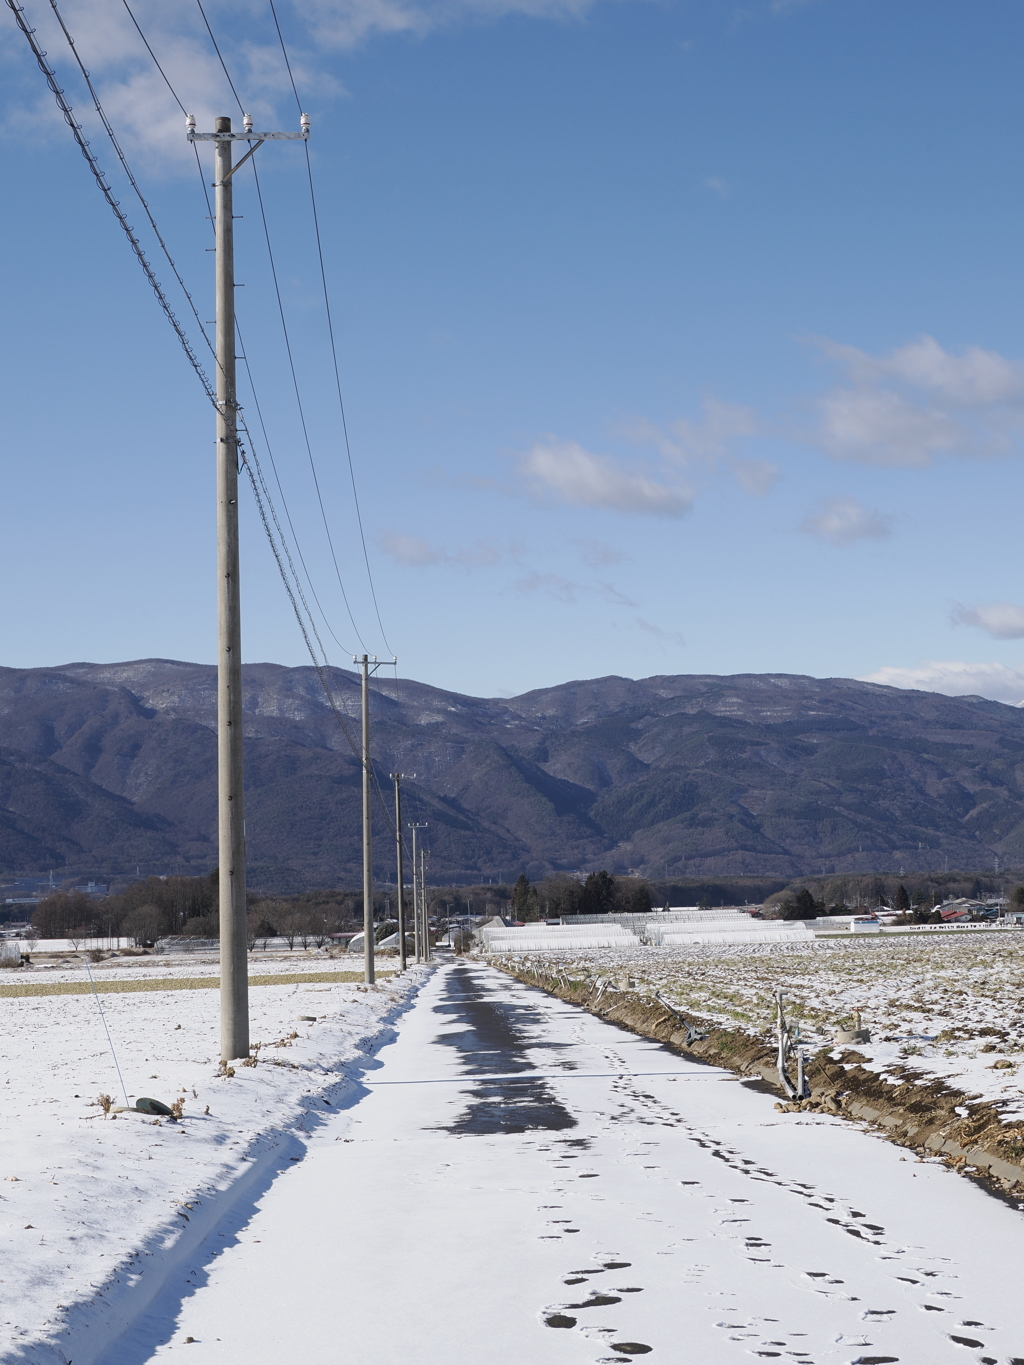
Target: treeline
{"x":552,"y":897}
{"x":919,"y":894}
{"x":160,"y":907}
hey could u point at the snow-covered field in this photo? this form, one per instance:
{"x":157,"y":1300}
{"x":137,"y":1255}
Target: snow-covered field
{"x":86,"y":1201}
{"x":71,"y":966}
{"x":945,"y":1006}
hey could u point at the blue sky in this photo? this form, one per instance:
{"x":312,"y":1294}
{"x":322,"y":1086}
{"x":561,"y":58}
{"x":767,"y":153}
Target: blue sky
{"x":674,"y":338}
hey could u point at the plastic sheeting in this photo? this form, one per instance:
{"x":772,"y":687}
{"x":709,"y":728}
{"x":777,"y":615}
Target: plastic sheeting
{"x":535,"y":938}
{"x":673,"y":938}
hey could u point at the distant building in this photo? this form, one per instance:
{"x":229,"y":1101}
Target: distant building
{"x":94,"y":888}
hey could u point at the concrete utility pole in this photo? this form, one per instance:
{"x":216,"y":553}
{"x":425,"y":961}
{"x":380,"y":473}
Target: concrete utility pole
{"x":417,"y":902}
{"x":399,"y":873}
{"x":423,"y":904}
{"x":367,"y":666}
{"x":234,"y":977}
{"x":368,"y":940}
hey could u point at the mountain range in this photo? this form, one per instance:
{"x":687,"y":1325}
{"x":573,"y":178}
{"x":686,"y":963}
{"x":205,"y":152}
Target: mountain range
{"x":109,"y":767}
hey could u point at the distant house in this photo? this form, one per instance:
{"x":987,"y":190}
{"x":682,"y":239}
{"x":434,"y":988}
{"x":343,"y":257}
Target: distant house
{"x":960,"y":908}
{"x":94,"y":888}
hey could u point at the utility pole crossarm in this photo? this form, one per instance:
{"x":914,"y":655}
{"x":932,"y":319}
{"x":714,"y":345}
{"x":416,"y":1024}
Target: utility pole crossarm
{"x":247,"y":134}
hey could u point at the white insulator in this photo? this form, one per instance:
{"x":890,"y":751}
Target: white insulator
{"x":304,"y":123}
{"x":247,"y":122}
{"x":190,"y":123}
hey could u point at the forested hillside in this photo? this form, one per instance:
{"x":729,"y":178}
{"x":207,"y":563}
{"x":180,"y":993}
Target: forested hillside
{"x":113,"y":766}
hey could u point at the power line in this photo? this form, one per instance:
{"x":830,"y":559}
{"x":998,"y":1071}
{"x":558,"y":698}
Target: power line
{"x":234,"y":91}
{"x":220,"y":58}
{"x":298,"y":401}
{"x":105,"y":189}
{"x":101,"y":181}
{"x":127,"y":169}
{"x":163,"y":73}
{"x":291,"y":362}
{"x":330,"y":331}
{"x":284,"y":501}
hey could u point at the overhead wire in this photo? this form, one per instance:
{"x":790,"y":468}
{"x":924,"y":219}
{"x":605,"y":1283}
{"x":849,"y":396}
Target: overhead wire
{"x":266,"y":229}
{"x":127,"y":169}
{"x":320,"y":673}
{"x":287,"y":341}
{"x":135,"y":186}
{"x":107,"y":192}
{"x":301,"y":409}
{"x":330,"y":331}
{"x":256,"y":478}
{"x":174,"y":96}
{"x":181,"y":106}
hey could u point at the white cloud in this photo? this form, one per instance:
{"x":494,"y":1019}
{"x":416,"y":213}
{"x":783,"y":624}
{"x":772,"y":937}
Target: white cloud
{"x":1001,"y":620}
{"x":565,"y":590}
{"x":716,"y":183}
{"x":756,"y":476}
{"x":685,"y":442}
{"x":597,"y":553}
{"x":582,"y":479}
{"x":920,"y":401}
{"x":954,"y":679}
{"x":418,"y":552}
{"x":671,"y":636}
{"x":842,"y":520}
{"x":143,"y":110}
{"x":345,"y":23}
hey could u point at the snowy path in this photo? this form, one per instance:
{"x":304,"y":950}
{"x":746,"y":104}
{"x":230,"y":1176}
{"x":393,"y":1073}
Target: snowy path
{"x":525,"y":1183}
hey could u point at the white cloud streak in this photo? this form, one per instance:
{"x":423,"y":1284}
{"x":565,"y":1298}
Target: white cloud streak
{"x":566,"y":471}
{"x":665,"y":636}
{"x":1001,"y":620}
{"x":757,"y":477}
{"x":417,"y":552}
{"x":918,"y":402}
{"x":684,"y":442}
{"x":843,"y":520}
{"x":565,"y":590}
{"x":956,"y":679}
{"x":597,"y":553}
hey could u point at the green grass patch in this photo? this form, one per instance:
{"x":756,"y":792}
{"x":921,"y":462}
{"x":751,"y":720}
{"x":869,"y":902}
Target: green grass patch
{"x":168,"y":983}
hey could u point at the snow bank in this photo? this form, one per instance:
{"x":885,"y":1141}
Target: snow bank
{"x":95,"y":1211}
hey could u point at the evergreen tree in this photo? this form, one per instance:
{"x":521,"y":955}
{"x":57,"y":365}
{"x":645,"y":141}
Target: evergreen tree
{"x":524,"y":900}
{"x":901,"y":901}
{"x":639,"y":902}
{"x":804,"y":906}
{"x":598,"y":894}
